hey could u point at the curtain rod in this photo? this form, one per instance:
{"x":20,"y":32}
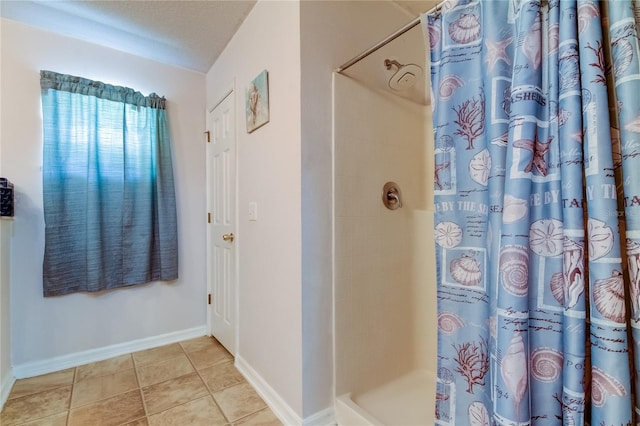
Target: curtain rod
{"x":386,"y":40}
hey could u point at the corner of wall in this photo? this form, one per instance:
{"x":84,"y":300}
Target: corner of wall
{"x":278,"y":405}
{"x":268,"y":174}
{"x":5,"y":388}
{"x":6,"y":372}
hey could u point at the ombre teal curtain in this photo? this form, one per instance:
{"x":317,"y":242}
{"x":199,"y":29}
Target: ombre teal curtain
{"x":108,"y":189}
{"x":537,"y":199}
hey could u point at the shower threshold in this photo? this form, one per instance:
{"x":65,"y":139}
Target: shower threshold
{"x":407,"y":400}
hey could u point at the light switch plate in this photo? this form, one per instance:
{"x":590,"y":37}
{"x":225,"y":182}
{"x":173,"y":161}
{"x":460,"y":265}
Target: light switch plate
{"x":253,"y":211}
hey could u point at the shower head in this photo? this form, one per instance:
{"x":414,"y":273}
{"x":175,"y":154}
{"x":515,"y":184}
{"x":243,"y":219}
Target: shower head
{"x":390,"y":62}
{"x":405,"y":77}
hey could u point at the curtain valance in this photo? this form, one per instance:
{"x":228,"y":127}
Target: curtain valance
{"x":84,"y":86}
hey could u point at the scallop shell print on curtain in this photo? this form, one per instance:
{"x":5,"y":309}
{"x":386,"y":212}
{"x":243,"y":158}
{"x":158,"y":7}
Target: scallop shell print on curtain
{"x":537,"y":159}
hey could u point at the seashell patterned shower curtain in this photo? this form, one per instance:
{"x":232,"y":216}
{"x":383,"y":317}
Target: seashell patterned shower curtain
{"x":537,"y":211}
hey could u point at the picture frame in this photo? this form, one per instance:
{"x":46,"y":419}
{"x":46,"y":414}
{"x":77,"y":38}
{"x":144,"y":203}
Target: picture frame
{"x":257,"y":102}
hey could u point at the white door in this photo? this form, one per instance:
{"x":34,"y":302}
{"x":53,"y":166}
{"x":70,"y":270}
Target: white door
{"x":221,"y":176}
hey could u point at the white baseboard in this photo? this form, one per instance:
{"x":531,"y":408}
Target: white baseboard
{"x":280,"y":408}
{"x":5,"y":388}
{"x":36,"y":368}
{"x":325,"y":417}
{"x":278,"y":405}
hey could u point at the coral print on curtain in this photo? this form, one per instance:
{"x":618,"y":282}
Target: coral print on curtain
{"x":537,"y":199}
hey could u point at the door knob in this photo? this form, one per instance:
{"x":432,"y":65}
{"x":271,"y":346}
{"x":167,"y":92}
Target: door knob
{"x":228,"y":237}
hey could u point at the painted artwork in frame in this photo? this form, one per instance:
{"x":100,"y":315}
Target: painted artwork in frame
{"x":257,"y":102}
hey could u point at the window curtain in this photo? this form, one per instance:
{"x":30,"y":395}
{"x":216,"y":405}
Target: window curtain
{"x":108,"y":190}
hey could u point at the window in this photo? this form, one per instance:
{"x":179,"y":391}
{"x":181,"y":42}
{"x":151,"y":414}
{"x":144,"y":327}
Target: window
{"x":108,"y":191}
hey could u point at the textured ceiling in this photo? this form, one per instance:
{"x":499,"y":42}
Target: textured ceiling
{"x":417,"y":7}
{"x":188,"y":34}
{"x":185,"y":33}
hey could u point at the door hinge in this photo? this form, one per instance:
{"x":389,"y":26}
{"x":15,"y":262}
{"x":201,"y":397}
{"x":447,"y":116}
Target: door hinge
{"x":209,"y":298}
{"x":208,"y":133}
{"x":208,"y":217}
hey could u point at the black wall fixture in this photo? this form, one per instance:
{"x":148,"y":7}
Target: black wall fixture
{"x":6,"y":197}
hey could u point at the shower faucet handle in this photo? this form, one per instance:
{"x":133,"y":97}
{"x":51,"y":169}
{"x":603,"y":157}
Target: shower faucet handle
{"x":391,"y":196}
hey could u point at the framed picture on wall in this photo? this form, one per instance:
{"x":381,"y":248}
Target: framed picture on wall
{"x":257,"y":102}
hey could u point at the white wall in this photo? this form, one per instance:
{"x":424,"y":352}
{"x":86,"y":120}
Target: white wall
{"x":45,"y":328}
{"x":6,"y":374}
{"x":270,"y":336}
{"x":332,"y":33}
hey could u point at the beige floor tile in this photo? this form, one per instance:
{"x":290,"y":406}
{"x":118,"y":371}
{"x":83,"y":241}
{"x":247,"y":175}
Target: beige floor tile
{"x":157,"y":354}
{"x":42,"y":383}
{"x":36,"y":406}
{"x":101,"y":368}
{"x":213,"y":355}
{"x":238,"y":401}
{"x":199,"y":343}
{"x":165,"y":395}
{"x":97,"y":388}
{"x":113,"y":411}
{"x":107,"y":392}
{"x":261,"y":418}
{"x":164,"y":370}
{"x":55,"y":420}
{"x":140,"y":422}
{"x":201,"y":411}
{"x":221,"y":376}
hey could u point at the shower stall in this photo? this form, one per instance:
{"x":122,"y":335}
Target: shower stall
{"x":385,"y":279}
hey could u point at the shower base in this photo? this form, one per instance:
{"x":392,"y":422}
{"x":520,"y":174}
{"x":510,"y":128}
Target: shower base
{"x":407,"y":400}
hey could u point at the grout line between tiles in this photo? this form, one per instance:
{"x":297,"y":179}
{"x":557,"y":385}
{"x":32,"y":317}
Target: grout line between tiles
{"x":184,"y":403}
{"x":35,"y":420}
{"x":166,"y":380}
{"x":206,"y":386}
{"x":134,"y":420}
{"x":154,"y":384}
{"x":144,"y":402}
{"x":251,"y":414}
{"x":105,"y":397}
{"x":224,"y":387}
{"x":40,"y":391}
{"x":240,"y":418}
{"x":110,"y":397}
{"x":42,"y":417}
{"x":73,"y":385}
{"x":75,"y":378}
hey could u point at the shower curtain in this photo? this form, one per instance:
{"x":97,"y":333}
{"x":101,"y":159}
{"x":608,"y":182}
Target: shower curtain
{"x":537,"y":201}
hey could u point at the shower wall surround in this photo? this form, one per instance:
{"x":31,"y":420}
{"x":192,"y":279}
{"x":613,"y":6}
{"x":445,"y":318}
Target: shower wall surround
{"x":385,"y":304}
